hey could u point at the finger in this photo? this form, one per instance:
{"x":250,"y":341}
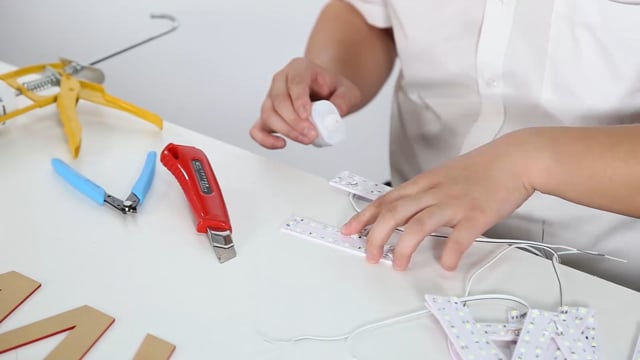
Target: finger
{"x":299,"y":84}
{"x":392,"y":215}
{"x":271,"y":122}
{"x":419,"y":227}
{"x":364,"y":217}
{"x":323,"y":84}
{"x":283,"y":106}
{"x":368,"y":215}
{"x":461,"y":238}
{"x":266,"y":139}
{"x":345,"y":98}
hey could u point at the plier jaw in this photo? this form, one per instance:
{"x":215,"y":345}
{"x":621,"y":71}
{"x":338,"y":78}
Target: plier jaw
{"x":130,"y":205}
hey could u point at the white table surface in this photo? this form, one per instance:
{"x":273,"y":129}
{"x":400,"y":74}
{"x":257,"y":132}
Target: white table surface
{"x":155,"y":274}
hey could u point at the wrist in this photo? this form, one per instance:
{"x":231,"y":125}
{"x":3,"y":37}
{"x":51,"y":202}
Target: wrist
{"x":533,"y":160}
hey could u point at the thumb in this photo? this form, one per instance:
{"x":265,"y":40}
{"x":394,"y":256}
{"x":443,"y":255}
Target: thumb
{"x":345,"y":98}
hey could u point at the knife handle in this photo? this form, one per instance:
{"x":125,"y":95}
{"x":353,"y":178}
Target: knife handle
{"x":192,"y":169}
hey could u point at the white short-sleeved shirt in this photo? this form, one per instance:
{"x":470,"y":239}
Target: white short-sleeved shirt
{"x":474,"y":70}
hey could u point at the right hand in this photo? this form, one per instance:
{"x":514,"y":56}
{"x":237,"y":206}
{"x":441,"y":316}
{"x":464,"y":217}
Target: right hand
{"x":286,"y":109}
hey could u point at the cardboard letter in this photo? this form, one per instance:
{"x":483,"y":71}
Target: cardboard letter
{"x":86,"y":326}
{"x":15,"y":288}
{"x":154,"y":348}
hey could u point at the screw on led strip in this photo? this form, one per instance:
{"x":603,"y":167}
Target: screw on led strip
{"x":331,"y":235}
{"x":359,"y":185}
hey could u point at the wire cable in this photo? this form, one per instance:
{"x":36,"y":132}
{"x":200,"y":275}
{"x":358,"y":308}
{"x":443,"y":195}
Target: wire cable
{"x":349,"y":335}
{"x":483,"y":267}
{"x":352,"y":199}
{"x":554,"y":262}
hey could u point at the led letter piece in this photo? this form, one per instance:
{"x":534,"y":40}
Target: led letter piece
{"x":569,"y":333}
{"x":468,"y":338}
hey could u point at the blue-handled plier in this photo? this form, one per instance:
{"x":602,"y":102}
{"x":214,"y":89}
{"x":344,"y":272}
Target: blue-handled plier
{"x":100,"y":196}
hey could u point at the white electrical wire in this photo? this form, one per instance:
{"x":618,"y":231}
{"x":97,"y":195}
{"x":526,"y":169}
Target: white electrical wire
{"x":554,"y":262}
{"x":534,"y":251}
{"x":483,"y":267}
{"x":348,"y":337}
{"x":352,"y":199}
{"x":512,"y":298}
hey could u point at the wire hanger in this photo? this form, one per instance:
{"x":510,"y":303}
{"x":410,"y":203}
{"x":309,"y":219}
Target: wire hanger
{"x":174,"y":26}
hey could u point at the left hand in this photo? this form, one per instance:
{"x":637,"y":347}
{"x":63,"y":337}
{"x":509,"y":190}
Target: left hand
{"x":469,"y":194}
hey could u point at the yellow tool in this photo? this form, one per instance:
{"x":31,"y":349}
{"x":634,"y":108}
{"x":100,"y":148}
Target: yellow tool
{"x":71,"y":90}
{"x":75,"y":81}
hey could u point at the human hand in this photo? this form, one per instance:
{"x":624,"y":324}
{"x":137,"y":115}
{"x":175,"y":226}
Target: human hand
{"x":469,"y":194}
{"x":287,"y":106}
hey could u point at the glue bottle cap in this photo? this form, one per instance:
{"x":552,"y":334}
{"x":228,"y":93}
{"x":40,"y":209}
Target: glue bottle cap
{"x":328,"y":122}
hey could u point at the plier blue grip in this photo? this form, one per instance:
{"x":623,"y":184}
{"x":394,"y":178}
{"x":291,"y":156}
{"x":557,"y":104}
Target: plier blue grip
{"x":100,"y":196}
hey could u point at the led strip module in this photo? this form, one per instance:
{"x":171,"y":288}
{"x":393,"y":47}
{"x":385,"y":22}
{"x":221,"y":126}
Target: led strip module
{"x":358,"y":185}
{"x":330,"y":235}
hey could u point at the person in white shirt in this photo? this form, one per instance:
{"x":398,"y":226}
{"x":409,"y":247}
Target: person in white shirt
{"x":511,"y":118}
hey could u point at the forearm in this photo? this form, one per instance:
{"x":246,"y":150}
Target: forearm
{"x":595,"y":166}
{"x":343,"y":42}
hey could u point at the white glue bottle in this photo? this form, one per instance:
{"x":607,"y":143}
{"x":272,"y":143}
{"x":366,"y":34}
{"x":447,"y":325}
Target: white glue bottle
{"x":328,"y":122}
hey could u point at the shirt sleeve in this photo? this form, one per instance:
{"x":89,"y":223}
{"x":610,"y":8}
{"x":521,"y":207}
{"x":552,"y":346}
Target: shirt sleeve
{"x":374,"y":11}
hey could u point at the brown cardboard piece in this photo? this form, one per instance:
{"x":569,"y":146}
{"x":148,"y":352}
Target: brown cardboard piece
{"x":85,"y":323}
{"x":154,"y":348}
{"x":15,"y":288}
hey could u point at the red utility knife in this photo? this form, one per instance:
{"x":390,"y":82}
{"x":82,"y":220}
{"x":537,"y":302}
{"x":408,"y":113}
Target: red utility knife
{"x":191,"y":167}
